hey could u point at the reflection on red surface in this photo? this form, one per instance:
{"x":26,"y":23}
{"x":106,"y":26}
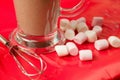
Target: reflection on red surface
{"x":104,"y":66}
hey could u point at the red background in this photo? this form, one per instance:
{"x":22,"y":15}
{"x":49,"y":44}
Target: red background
{"x":104,"y":66}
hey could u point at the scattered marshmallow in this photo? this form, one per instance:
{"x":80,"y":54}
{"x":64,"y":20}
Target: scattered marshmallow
{"x":101,"y":44}
{"x":82,"y":27}
{"x":91,"y":35}
{"x":97,"y":21}
{"x":62,"y":28}
{"x":80,"y":38}
{"x":81,"y":19}
{"x":85,"y":55}
{"x":69,"y":34}
{"x":61,"y":50}
{"x":97,"y":29}
{"x":72,"y":48}
{"x":73,"y":24}
{"x":114,"y":41}
{"x":64,"y":22}
{"x":83,"y":35}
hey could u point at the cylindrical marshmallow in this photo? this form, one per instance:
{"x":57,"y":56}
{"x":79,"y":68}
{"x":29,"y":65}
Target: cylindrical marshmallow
{"x":114,"y":41}
{"x":91,"y":35}
{"x":63,"y":28}
{"x":97,"y":29}
{"x":64,"y":22}
{"x":101,"y":44}
{"x":61,"y":50}
{"x":72,"y":48}
{"x":73,"y":24}
{"x":81,"y":19}
{"x":85,"y":55}
{"x":80,"y":38}
{"x":69,"y":34}
{"x":97,"y":21}
{"x":82,"y":27}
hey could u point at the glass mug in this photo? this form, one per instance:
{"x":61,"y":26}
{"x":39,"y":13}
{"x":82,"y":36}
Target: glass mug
{"x":37,"y":23}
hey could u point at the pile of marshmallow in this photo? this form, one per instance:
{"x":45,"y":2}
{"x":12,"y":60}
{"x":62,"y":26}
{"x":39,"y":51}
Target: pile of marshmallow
{"x":82,"y":35}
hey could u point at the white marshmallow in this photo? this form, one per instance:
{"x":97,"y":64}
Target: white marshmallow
{"x":85,"y":55}
{"x":80,"y":38}
{"x":61,"y":50}
{"x":81,"y":19}
{"x":82,"y":27}
{"x":97,"y":21}
{"x":92,"y":36}
{"x":69,"y":34}
{"x":72,"y":48}
{"x":64,"y":22}
{"x":73,"y":24}
{"x":97,"y":29}
{"x":101,"y":44}
{"x":114,"y":41}
{"x":63,"y":28}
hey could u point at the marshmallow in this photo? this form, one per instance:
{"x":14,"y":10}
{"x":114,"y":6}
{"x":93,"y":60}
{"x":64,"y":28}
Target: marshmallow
{"x":73,"y":24}
{"x":97,"y":21}
{"x":92,"y":36}
{"x":82,"y":27}
{"x":69,"y":34}
{"x":101,"y":44}
{"x":114,"y":41}
{"x":80,"y":38}
{"x":81,"y":19}
{"x":64,"y":22}
{"x":85,"y":55}
{"x":61,"y":50}
{"x":97,"y":29}
{"x":72,"y":48}
{"x":63,"y":28}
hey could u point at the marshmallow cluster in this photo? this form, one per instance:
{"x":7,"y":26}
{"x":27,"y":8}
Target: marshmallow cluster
{"x":78,"y":32}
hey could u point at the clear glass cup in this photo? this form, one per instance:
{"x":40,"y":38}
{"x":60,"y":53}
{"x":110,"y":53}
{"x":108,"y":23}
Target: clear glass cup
{"x":37,"y":29}
{"x":38,"y":23}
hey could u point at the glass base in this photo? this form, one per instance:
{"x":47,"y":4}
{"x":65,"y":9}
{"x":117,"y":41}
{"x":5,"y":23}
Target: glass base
{"x":40,"y":44}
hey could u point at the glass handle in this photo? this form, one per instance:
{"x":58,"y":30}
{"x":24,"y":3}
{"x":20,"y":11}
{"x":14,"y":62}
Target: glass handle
{"x":75,"y":10}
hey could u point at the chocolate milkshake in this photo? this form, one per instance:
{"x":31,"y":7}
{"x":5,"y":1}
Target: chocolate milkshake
{"x":37,"y":17}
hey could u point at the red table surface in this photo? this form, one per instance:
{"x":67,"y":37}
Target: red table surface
{"x":105,"y":64}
